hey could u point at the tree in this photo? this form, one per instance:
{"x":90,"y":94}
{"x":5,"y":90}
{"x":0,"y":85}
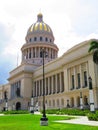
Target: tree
{"x":94,"y":48}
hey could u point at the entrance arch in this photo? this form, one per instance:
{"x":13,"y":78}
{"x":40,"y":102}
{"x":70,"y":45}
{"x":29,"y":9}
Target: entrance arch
{"x":72,"y":102}
{"x":18,"y":106}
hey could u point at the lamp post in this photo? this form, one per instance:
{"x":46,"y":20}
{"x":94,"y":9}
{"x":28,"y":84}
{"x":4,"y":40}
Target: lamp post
{"x":6,"y":104}
{"x":44,"y":119}
{"x":92,"y":108}
{"x":81,"y":101}
{"x":68,"y":103}
{"x":6,"y":101}
{"x":32,"y":106}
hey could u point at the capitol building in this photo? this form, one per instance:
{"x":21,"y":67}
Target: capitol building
{"x":66,"y":78}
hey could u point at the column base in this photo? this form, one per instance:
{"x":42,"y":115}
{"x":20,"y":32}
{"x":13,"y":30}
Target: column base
{"x":44,"y":121}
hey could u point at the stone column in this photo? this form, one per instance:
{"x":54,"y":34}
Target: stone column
{"x":81,"y":76}
{"x":39,"y":52}
{"x":54,"y":53}
{"x":75,"y":79}
{"x":52,"y":84}
{"x":69,"y":79}
{"x":47,"y":50}
{"x":48,"y":85}
{"x":49,"y":53}
{"x":56,"y":82}
{"x":60,"y":82}
{"x":39,"y":88}
{"x":35,"y":52}
{"x":31,"y":52}
{"x":28,"y":53}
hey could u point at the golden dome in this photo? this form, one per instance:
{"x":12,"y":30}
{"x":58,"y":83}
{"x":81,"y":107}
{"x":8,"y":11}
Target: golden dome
{"x":39,"y":26}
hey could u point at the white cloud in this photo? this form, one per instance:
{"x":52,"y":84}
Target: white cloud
{"x":72,"y":22}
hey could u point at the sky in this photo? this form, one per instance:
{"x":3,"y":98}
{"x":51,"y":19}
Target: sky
{"x":72,"y":22}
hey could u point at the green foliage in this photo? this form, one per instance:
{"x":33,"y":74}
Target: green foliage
{"x":16,"y":112}
{"x":77,"y":112}
{"x":93,"y":116}
{"x":94,"y":48}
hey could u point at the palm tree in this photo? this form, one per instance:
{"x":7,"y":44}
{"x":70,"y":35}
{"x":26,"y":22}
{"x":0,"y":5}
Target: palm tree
{"x":94,"y":48}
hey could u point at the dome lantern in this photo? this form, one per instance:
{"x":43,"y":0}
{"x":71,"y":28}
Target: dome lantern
{"x":39,"y":17}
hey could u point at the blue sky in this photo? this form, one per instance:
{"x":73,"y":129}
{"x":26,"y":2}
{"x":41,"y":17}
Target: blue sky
{"x":72,"y":22}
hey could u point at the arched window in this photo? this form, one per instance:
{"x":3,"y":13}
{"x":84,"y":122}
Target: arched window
{"x":41,"y":38}
{"x":85,"y":100}
{"x":18,"y":92}
{"x":35,"y":38}
{"x":72,"y":102}
{"x":18,"y":106}
{"x":30,"y":54}
{"x":5,"y":95}
{"x":30,"y":40}
{"x":46,"y":39}
{"x":85,"y":78}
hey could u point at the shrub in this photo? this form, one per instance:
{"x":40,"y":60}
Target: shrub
{"x":93,"y":116}
{"x":16,"y":112}
{"x":69,"y":111}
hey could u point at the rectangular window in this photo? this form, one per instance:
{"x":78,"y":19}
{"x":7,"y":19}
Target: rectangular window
{"x":62,"y":81}
{"x":30,"y":54}
{"x":85,"y":78}
{"x":79,"y":82}
{"x":73,"y":82}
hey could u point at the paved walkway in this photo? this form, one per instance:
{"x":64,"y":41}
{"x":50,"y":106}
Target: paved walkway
{"x":1,"y":114}
{"x":80,"y":120}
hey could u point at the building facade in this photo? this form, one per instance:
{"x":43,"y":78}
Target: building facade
{"x":66,"y":77}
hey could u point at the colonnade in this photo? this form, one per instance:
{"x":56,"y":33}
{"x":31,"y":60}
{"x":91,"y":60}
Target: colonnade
{"x":14,"y":87}
{"x":53,"y":84}
{"x":78,"y":76}
{"x":34,"y":52}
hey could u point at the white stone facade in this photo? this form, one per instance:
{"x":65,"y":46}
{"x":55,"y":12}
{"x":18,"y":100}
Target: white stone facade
{"x":66,"y":77}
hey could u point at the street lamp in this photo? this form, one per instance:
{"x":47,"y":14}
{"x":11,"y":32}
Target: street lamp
{"x":92,"y":108}
{"x":44,"y":119}
{"x":81,"y":101}
{"x":68,"y":103}
{"x":6,"y":101}
{"x":6,"y":104}
{"x":32,"y":106}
